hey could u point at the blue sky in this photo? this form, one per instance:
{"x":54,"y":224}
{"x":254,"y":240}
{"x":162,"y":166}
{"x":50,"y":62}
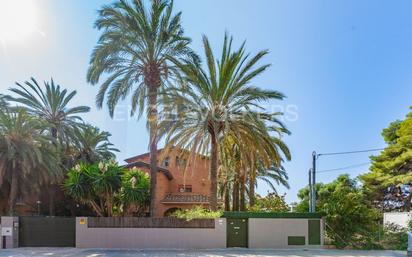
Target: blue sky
{"x":345,"y":66}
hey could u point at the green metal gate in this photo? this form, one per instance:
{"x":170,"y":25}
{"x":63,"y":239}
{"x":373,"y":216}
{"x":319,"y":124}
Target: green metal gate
{"x":47,"y":232}
{"x":314,"y":232}
{"x":237,"y":233}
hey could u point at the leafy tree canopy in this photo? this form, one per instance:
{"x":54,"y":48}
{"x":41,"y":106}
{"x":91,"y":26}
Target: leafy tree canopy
{"x":345,"y":209}
{"x":388,"y":183}
{"x":270,"y":203}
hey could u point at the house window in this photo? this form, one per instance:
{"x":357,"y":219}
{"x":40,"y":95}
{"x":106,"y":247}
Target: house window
{"x":185,"y":188}
{"x":180,"y":161}
{"x":165,"y":162}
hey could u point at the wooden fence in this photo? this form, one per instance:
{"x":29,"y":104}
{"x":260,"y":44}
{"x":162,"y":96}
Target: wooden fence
{"x":137,"y":222}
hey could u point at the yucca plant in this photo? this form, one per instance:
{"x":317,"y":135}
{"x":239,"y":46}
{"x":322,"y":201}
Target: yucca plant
{"x":135,"y":52}
{"x":134,"y":196}
{"x":96,"y":185}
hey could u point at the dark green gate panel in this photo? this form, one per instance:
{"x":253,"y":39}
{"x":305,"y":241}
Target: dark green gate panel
{"x":314,"y":232}
{"x":47,"y":232}
{"x":296,"y":240}
{"x":237,"y":232}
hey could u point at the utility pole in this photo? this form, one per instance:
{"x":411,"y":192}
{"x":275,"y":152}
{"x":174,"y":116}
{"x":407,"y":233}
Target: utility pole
{"x":312,"y":173}
{"x":310,"y":190}
{"x":314,"y":156}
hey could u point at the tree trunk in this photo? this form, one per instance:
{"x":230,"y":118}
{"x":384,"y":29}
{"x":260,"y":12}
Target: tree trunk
{"x":251,"y":190}
{"x":52,"y":192}
{"x":213,"y":173}
{"x":242,"y":194}
{"x":235,"y":204}
{"x":109,"y":203}
{"x":13,"y":193}
{"x":96,"y":208}
{"x":50,"y":188}
{"x":227,"y":197}
{"x":153,"y":148}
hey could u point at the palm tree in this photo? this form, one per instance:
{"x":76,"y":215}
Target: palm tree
{"x":216,"y":103}
{"x":272,"y":176}
{"x":135,"y":51}
{"x":93,"y":145}
{"x":242,"y":162}
{"x":51,"y":105}
{"x":263,"y":168}
{"x":3,"y":102}
{"x":25,"y":154}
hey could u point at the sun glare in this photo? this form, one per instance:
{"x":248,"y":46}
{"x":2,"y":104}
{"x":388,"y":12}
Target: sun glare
{"x":18,"y":19}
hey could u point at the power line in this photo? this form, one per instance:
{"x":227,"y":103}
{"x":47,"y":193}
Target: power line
{"x":315,"y":156}
{"x":344,"y":168}
{"x":352,"y":152}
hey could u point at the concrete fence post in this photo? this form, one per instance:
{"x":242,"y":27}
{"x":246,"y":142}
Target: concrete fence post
{"x":9,"y":232}
{"x":409,"y":253}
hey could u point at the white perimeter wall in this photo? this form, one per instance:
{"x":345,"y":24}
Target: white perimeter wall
{"x":398,"y":218}
{"x":151,"y":238}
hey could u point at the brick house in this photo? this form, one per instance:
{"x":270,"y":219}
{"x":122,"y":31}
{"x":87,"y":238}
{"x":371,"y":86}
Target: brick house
{"x":180,"y":185}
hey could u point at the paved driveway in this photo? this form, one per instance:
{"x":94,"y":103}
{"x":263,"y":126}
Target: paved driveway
{"x":71,"y":252}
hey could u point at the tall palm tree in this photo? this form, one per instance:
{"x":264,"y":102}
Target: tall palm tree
{"x":51,"y":105}
{"x":93,"y":145}
{"x":135,"y":51}
{"x":242,"y":162}
{"x":262,"y":169}
{"x":25,"y":154}
{"x":219,"y":102}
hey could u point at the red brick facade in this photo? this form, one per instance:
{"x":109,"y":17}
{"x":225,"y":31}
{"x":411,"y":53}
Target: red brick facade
{"x":181,"y":184}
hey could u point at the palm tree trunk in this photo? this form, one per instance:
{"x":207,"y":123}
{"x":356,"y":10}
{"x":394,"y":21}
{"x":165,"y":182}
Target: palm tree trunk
{"x":235,"y":204}
{"x":213,"y":173}
{"x":51,"y":189}
{"x":51,"y":193}
{"x":153,"y":148}
{"x":242,"y":194}
{"x":251,"y":190}
{"x":227,"y":197}
{"x":13,"y":193}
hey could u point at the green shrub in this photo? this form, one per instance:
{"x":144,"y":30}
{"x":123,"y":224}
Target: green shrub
{"x":197,"y":212}
{"x":394,"y":237}
{"x":134,"y":196}
{"x":108,"y":188}
{"x":270,"y":203}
